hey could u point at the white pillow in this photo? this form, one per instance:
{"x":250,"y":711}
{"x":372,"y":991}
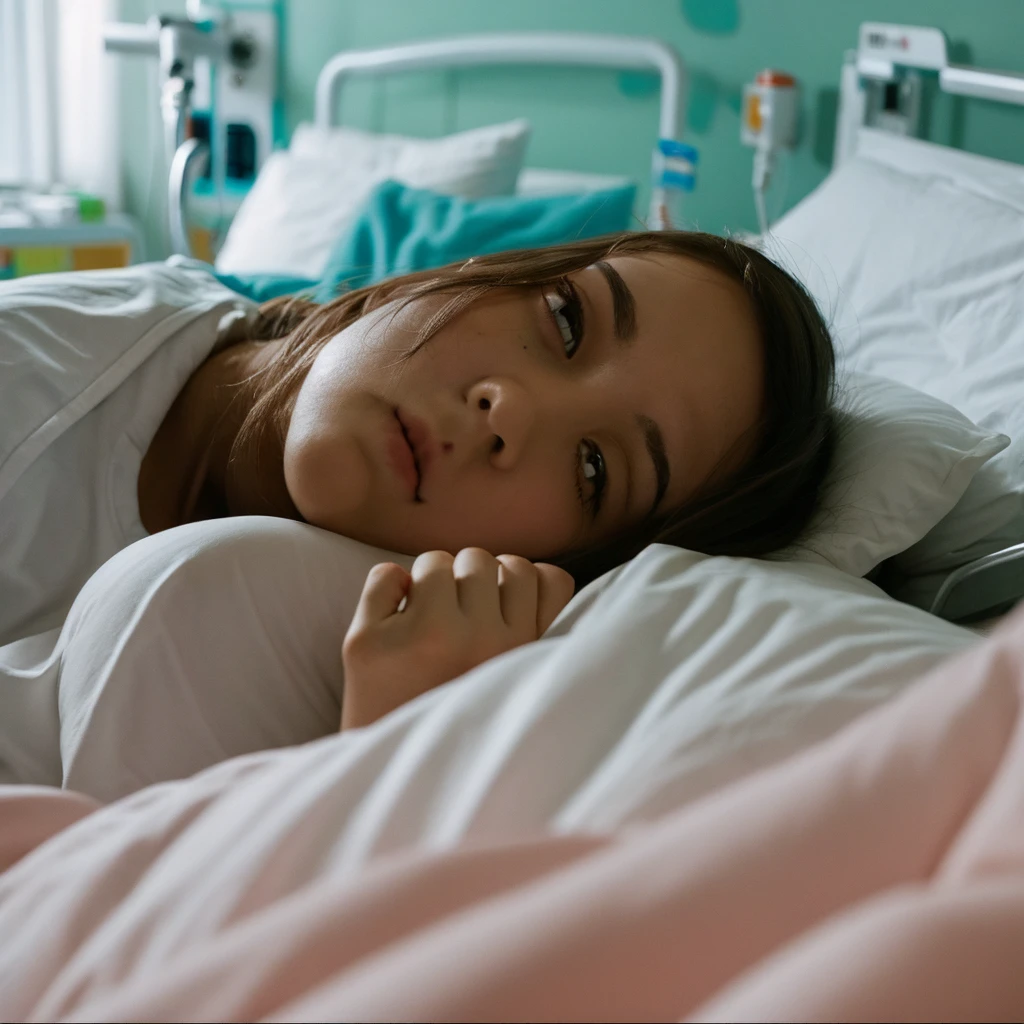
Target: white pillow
{"x":916,"y":252}
{"x":902,"y":461}
{"x":200,"y":643}
{"x":305,"y":196}
{"x":662,"y":680}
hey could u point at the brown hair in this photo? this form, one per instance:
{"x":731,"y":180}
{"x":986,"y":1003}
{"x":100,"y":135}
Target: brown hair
{"x":762,"y":507}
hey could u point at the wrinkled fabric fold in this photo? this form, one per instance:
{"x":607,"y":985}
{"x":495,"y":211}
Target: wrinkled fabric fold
{"x":878,"y":875}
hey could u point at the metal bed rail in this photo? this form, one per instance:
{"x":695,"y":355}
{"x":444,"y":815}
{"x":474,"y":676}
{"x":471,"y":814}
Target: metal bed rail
{"x":622,"y":53}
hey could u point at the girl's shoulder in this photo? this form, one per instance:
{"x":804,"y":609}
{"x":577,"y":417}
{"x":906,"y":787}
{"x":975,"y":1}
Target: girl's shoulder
{"x":69,"y":340}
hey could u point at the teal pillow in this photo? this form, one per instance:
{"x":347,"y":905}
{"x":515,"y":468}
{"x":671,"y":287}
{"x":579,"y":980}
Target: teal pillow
{"x":401,"y":229}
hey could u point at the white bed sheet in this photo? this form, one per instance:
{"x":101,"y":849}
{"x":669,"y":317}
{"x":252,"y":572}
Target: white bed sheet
{"x":541,"y":181}
{"x":661,"y":681}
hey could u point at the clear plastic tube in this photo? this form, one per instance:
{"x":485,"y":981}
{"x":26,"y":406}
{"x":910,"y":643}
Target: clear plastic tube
{"x":762,"y":215}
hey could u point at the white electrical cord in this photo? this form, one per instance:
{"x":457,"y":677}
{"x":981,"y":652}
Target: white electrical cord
{"x":763,"y":161}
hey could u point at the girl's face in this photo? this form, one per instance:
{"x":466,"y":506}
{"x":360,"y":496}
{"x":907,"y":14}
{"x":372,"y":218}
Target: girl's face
{"x":537,"y":421}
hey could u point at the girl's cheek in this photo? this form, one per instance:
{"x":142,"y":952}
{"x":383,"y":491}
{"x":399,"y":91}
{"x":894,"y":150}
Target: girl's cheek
{"x":327,"y":478}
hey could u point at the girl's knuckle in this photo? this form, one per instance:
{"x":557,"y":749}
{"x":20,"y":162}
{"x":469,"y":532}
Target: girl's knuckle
{"x":517,"y":563}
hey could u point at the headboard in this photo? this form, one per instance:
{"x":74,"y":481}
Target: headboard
{"x":623,"y":53}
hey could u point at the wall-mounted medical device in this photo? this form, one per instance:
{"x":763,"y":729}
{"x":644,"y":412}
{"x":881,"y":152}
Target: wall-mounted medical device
{"x":771,"y":107}
{"x":881,"y":81}
{"x":218,"y":70}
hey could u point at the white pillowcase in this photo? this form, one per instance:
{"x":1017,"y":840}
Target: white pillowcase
{"x":916,"y":253}
{"x":902,"y":461}
{"x":200,"y":643}
{"x":305,"y":196}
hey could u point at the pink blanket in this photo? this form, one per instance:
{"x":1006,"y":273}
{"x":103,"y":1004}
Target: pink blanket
{"x":878,"y":876}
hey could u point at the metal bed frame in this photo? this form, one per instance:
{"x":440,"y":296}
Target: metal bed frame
{"x":881,"y":81}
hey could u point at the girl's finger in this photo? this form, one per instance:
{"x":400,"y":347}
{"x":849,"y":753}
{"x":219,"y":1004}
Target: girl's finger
{"x":433,"y":584}
{"x":476,"y":581}
{"x":386,"y":584}
{"x":518,"y":585}
{"x":555,"y":587}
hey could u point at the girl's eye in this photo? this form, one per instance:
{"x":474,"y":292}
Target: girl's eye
{"x":591,"y":469}
{"x":567,"y":311}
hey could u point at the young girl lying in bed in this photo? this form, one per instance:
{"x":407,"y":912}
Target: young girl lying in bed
{"x":568,"y":405}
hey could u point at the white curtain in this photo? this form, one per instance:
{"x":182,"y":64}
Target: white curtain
{"x":58,"y":97}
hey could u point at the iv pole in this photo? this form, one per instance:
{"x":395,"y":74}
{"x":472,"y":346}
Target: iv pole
{"x":177,"y":43}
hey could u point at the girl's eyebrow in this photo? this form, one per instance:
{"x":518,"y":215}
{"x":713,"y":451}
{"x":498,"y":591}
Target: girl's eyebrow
{"x":623,"y":303}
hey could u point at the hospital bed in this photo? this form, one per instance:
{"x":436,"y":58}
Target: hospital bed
{"x":659,"y":684}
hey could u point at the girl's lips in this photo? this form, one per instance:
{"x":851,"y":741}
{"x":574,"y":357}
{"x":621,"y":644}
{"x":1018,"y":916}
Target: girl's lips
{"x":417,"y":434}
{"x":403,"y":459}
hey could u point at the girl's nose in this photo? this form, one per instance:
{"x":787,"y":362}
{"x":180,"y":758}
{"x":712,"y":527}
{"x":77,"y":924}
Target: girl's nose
{"x":506,"y":414}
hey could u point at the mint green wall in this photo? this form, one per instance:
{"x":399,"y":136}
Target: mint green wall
{"x":603,"y":122}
